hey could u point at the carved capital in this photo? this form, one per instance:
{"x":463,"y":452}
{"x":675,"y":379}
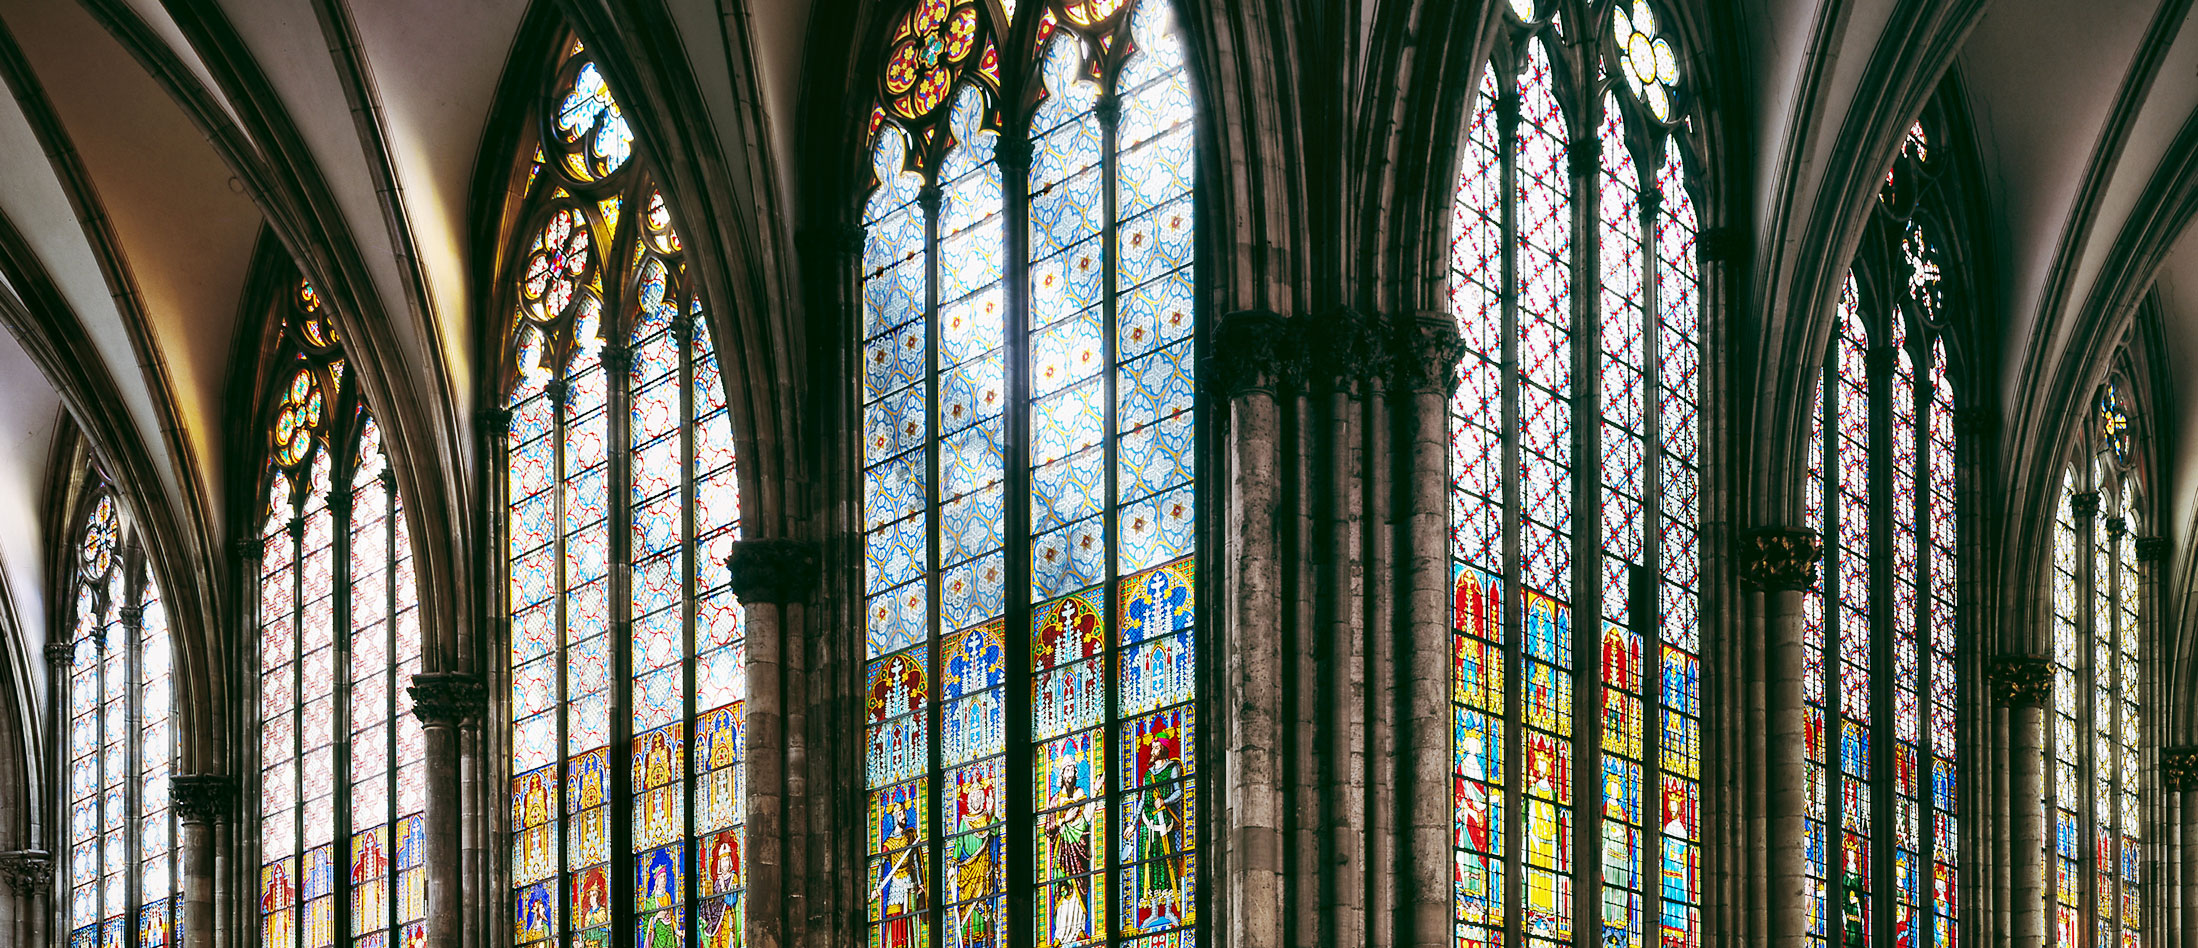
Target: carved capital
{"x":133,"y":617}
{"x":776,"y":570}
{"x":1426,"y":352}
{"x":1255,"y":351}
{"x":2116,"y":526}
{"x":617,"y":360}
{"x":202,"y":798}
{"x":2152,"y":549}
{"x":60,"y":653}
{"x":2179,"y":769}
{"x":2084,"y":505}
{"x":447,"y":699}
{"x":1780,"y":558}
{"x":1013,"y":152}
{"x":496,"y":419}
{"x":248,"y":549}
{"x":28,"y":871}
{"x":2021,"y":681}
{"x":1585,"y":158}
{"x":1344,"y":348}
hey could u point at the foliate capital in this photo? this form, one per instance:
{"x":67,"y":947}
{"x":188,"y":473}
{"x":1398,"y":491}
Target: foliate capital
{"x":28,"y":871}
{"x":1256,"y":351}
{"x":2021,"y":681}
{"x":1780,"y":558}
{"x":2152,"y":549}
{"x":2179,"y":768}
{"x":2117,"y":526}
{"x":1344,"y":349}
{"x":447,"y":699}
{"x":1427,"y":349}
{"x":60,"y":653}
{"x":775,"y":570}
{"x":202,"y":798}
{"x":2084,"y":505}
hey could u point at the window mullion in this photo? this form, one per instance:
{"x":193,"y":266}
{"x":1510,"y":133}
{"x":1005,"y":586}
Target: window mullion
{"x":133,"y":722}
{"x":561,"y":815}
{"x":1884,"y":731}
{"x":1018,"y":682}
{"x":1644,"y":585}
{"x":1584,"y":167}
{"x":933,"y":870}
{"x":1831,"y":725}
{"x":1508,"y":366}
{"x":619,"y":799}
{"x":1112,"y":798}
{"x":339,"y":711}
{"x":1926,"y":918}
{"x":691,"y":573}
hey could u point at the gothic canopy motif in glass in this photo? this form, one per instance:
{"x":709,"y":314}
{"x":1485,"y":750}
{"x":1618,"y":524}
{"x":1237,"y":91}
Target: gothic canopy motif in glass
{"x":1575,"y":493}
{"x":619,"y":504}
{"x":1030,"y":477}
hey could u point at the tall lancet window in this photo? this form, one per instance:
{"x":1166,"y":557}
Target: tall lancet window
{"x":1575,"y":494}
{"x":1880,"y":625}
{"x":620,"y":504}
{"x":342,"y":791}
{"x":2093,"y":737}
{"x":1030,"y":480}
{"x":121,"y":870}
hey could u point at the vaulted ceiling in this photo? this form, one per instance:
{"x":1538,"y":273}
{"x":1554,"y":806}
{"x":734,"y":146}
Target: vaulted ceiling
{"x":146,"y":147}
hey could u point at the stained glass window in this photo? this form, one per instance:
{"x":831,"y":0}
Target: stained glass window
{"x":342,"y":792}
{"x":1030,"y":478}
{"x":1879,"y":625}
{"x":2093,"y":732}
{"x":121,"y":870}
{"x":627,"y":658}
{"x":1553,"y":747}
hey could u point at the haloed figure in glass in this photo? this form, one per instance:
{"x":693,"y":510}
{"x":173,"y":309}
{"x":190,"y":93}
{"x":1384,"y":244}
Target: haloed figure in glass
{"x":1030,"y":476}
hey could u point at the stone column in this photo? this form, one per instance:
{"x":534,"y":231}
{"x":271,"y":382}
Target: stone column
{"x":29,"y":873}
{"x":1255,"y":357}
{"x":1782,"y":563}
{"x":202,"y":803}
{"x":2021,"y":684}
{"x":444,"y":701}
{"x":2179,"y":780}
{"x":1425,"y":366}
{"x":770,"y":577}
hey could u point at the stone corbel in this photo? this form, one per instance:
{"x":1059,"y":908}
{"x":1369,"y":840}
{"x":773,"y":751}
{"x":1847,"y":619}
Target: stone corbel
{"x":2020,"y":681}
{"x":773,"y":571}
{"x":1779,"y":558}
{"x":28,"y":871}
{"x":202,"y":798}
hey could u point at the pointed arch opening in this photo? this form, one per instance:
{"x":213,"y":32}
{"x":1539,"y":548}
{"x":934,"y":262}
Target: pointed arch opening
{"x":1030,"y":477}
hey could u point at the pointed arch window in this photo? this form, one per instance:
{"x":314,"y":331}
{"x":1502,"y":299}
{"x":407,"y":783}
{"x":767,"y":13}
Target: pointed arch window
{"x":2094,"y":735}
{"x":341,"y":786}
{"x":1576,"y":670}
{"x":619,"y":506}
{"x":1030,"y":487}
{"x":1880,"y":626}
{"x":121,"y":870}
